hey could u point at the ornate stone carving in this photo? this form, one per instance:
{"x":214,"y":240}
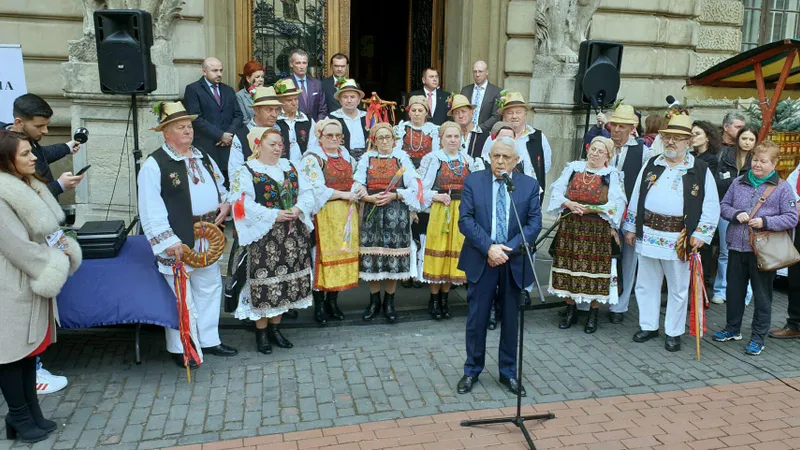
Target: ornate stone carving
{"x":705,"y":62}
{"x":164,"y":13}
{"x":720,"y":39}
{"x":722,"y":11}
{"x":562,"y":25}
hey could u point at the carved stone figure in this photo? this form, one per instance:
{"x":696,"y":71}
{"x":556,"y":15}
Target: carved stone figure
{"x":562,"y":25}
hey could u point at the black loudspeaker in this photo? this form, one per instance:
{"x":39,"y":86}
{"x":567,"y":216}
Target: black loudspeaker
{"x":597,"y":83}
{"x":124,"y":38}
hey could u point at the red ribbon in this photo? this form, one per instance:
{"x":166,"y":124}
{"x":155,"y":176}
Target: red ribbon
{"x":697,"y":294}
{"x":189,"y":352}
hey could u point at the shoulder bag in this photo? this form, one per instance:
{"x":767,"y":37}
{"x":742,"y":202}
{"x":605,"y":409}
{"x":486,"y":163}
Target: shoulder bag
{"x":773,"y":249}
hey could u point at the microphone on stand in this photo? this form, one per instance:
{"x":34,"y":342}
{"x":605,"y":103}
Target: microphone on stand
{"x":507,"y":178}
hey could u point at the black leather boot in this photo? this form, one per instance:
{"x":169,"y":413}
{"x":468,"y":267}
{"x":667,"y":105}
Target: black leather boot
{"x":570,"y":317}
{"x":374,"y":306}
{"x":20,"y":424}
{"x":492,"y":325}
{"x":388,"y":308}
{"x":407,"y":283}
{"x":276,"y":338}
{"x":262,"y":341}
{"x":291,"y":314}
{"x":29,"y":391}
{"x":332,"y":306}
{"x":591,"y":322}
{"x":445,"y":307}
{"x":435,"y":308}
{"x":319,"y":304}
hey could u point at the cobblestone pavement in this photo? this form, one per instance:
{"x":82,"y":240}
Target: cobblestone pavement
{"x":340,"y":376}
{"x":756,"y":415}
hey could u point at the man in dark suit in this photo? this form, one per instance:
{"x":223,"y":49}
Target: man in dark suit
{"x":312,"y":97}
{"x":339,"y":65}
{"x":493,"y":260}
{"x":218,"y":114}
{"x":437,"y":99}
{"x":484,"y":96}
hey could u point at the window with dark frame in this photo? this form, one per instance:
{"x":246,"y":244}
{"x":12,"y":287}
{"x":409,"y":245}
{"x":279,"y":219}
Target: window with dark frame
{"x":767,"y":21}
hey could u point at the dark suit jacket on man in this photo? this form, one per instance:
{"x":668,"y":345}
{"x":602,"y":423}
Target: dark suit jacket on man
{"x":488,"y":115}
{"x":475,"y":223}
{"x":439,"y":115}
{"x":331,"y":102}
{"x":312,"y":102}
{"x":213,"y":119}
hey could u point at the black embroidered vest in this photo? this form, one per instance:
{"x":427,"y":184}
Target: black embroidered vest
{"x":346,"y":132}
{"x":272,"y":195}
{"x":302,"y":131}
{"x":241,"y":133}
{"x":175,"y":192}
{"x":631,"y":167}
{"x":694,"y":192}
{"x":536,"y":152}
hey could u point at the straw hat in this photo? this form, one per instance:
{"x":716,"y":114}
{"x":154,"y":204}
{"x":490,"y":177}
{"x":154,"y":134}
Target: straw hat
{"x":460,"y":101}
{"x":625,"y":115}
{"x":510,"y":100}
{"x":266,"y":96}
{"x":168,"y":112}
{"x":255,"y":135}
{"x":418,"y":100}
{"x":679,"y":124}
{"x":349,"y":85}
{"x":286,"y":88}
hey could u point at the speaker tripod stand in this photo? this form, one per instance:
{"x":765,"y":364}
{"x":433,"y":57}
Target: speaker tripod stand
{"x":518,"y":419}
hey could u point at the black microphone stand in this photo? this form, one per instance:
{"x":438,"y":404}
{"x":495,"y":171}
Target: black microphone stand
{"x":518,"y":419}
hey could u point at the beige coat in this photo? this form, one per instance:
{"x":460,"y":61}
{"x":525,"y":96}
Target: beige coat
{"x":31,"y":272}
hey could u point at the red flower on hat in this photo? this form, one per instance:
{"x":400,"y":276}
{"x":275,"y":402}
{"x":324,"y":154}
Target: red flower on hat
{"x":257,"y":141}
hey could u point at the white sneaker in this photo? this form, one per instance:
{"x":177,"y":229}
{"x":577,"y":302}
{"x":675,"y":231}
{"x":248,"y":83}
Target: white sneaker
{"x":47,"y":383}
{"x":717,"y":300}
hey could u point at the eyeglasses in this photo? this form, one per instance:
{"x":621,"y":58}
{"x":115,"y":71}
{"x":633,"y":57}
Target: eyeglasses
{"x":384,"y":138}
{"x":333,"y":135}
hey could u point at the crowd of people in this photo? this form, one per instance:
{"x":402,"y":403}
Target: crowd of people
{"x":320,"y":199}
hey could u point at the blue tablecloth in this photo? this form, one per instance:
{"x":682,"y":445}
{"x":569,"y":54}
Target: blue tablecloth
{"x":113,"y":291}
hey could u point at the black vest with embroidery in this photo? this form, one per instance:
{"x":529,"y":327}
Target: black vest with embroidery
{"x":346,"y":131}
{"x":275,"y":195}
{"x":694,"y":192}
{"x":302,"y":131}
{"x":241,"y":133}
{"x":536,"y":152}
{"x":475,"y":144}
{"x":175,"y":192}
{"x":631,"y":167}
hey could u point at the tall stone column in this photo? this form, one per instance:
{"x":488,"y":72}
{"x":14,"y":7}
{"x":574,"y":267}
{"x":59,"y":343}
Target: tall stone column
{"x":110,"y":187}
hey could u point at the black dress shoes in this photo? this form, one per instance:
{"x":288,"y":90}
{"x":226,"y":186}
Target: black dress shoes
{"x":178,"y":358}
{"x":513,"y":386}
{"x":672,"y":343}
{"x":616,"y":318}
{"x":644,"y":336}
{"x":221,"y":350}
{"x":465,"y":384}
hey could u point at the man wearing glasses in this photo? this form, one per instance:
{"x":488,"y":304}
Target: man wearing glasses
{"x":673,"y":211}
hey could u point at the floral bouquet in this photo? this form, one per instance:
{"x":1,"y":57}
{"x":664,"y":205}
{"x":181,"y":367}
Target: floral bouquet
{"x":501,"y":99}
{"x":395,"y":179}
{"x":447,"y":214}
{"x":287,"y":202}
{"x":348,"y":228}
{"x":339,"y":82}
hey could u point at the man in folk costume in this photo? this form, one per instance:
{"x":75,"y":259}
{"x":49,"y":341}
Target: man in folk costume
{"x":630,"y":156}
{"x":180,"y":185}
{"x":673,"y":211}
{"x":352,"y":119}
{"x":472,"y":136}
{"x":297,"y":129}
{"x":267,"y":107}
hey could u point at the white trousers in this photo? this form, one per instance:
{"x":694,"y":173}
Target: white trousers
{"x":629,"y":262}
{"x":203,"y":297}
{"x":648,"y":294}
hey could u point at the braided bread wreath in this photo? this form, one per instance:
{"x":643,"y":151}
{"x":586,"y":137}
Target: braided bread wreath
{"x":216,"y":246}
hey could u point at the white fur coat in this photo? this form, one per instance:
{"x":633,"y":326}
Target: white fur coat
{"x":31,"y":272}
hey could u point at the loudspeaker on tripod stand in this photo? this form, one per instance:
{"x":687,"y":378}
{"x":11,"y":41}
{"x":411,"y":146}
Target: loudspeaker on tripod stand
{"x":597,"y":82}
{"x":124,"y":38}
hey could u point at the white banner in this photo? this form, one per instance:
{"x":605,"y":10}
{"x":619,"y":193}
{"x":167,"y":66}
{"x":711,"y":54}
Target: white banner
{"x":12,"y":80}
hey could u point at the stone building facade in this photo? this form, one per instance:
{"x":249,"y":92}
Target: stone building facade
{"x":529,"y":45}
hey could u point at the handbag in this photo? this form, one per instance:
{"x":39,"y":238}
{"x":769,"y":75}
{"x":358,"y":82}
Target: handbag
{"x":773,"y":249}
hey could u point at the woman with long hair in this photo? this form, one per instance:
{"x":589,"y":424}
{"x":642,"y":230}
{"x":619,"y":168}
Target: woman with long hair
{"x":35,"y":260}
{"x":733,"y":163}
{"x":706,"y":144}
{"x":652,"y":124}
{"x":252,"y":77}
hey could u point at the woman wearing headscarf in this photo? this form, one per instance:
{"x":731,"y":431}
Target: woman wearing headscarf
{"x":590,"y":198}
{"x":250,"y":79}
{"x":443,"y":172}
{"x":272,"y":212}
{"x":329,"y":169}
{"x":390,"y":186}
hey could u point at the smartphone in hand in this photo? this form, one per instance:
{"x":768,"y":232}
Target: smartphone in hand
{"x":82,"y":171}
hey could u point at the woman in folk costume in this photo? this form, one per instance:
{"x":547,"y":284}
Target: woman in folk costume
{"x":590,"y":197}
{"x":443,"y":172}
{"x":296,"y":128}
{"x":272,"y":212}
{"x":389,"y":185}
{"x":329,"y":169}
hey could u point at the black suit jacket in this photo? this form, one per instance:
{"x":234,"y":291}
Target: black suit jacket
{"x":330,"y":89}
{"x":439,"y":115}
{"x":213,"y":120}
{"x":488,"y":115}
